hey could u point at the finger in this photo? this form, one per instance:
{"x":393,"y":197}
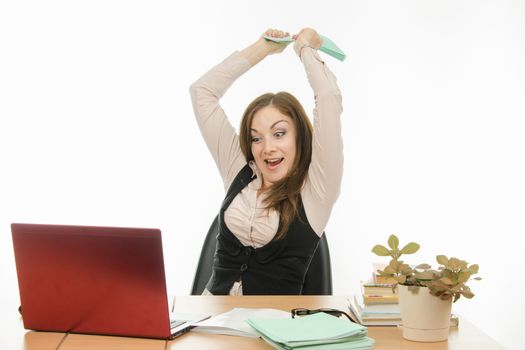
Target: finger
{"x":299,"y":34}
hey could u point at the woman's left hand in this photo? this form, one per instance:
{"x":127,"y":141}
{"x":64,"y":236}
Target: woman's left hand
{"x":307,"y":37}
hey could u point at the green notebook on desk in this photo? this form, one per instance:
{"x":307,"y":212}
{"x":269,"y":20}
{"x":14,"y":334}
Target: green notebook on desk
{"x":328,"y":46}
{"x":313,"y":332}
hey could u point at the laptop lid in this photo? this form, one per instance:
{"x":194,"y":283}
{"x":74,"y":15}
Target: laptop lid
{"x":97,"y":280}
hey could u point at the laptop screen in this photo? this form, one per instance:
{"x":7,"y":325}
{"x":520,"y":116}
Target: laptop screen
{"x":98,"y":280}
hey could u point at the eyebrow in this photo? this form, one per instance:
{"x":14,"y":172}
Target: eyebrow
{"x":273,"y":125}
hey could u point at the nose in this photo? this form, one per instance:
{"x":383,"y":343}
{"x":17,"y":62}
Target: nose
{"x":269,"y":147}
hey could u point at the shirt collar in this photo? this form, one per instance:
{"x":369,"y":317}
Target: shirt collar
{"x":257,"y":183}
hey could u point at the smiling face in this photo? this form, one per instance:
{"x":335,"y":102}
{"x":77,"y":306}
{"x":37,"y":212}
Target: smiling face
{"x":273,"y":144}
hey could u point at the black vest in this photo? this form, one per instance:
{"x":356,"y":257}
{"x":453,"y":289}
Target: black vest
{"x":277,"y":268}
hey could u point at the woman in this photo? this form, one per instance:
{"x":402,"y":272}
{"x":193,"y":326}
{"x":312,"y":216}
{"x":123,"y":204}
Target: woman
{"x":281,"y":175}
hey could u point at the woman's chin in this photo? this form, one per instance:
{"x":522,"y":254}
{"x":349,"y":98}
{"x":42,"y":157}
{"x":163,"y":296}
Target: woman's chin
{"x":273,"y":178}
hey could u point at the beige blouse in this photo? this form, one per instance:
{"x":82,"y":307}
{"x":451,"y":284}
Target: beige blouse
{"x":246,"y":217}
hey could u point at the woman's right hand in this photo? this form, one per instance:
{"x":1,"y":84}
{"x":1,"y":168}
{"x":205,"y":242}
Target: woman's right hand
{"x":271,"y":46}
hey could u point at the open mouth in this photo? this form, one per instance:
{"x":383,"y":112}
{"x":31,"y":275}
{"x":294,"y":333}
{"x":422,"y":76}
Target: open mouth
{"x":273,"y":163}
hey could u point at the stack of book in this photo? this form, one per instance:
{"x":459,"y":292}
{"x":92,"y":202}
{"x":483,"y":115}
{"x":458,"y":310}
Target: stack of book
{"x":378,"y":305}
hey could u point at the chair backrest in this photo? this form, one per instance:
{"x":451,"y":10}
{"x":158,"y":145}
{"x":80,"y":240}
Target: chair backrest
{"x":318,"y":280}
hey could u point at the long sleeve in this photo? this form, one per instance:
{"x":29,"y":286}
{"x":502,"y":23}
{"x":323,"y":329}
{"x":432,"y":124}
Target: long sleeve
{"x":218,"y":133}
{"x":323,"y":184}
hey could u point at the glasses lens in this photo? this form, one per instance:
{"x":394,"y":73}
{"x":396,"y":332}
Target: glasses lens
{"x":302,"y":312}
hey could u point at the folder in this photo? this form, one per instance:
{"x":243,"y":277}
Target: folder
{"x":328,"y":46}
{"x":318,"y":331}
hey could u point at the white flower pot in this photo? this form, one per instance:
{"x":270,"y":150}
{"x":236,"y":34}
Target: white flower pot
{"x":424,"y":317}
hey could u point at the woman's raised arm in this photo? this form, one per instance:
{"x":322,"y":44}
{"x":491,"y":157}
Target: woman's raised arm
{"x":326,"y":168}
{"x":217,"y":131}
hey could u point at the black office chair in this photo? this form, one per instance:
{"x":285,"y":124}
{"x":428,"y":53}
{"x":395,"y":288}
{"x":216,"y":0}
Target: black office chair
{"x":318,"y":280}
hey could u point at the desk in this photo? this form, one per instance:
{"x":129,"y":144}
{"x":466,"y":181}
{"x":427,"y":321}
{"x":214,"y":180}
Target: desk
{"x":464,"y":337}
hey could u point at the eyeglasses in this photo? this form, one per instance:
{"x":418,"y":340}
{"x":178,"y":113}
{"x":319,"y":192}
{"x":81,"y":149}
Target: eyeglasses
{"x":333,"y":312}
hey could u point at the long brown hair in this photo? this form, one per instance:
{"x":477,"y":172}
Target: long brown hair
{"x":283,"y":195}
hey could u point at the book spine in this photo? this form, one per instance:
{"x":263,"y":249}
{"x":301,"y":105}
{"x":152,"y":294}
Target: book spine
{"x":385,"y":299}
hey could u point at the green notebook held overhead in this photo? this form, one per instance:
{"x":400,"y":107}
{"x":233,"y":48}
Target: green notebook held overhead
{"x":328,"y":46}
{"x":319,"y":331}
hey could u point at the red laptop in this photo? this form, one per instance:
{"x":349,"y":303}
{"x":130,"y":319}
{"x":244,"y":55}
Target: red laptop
{"x":96,"y":280}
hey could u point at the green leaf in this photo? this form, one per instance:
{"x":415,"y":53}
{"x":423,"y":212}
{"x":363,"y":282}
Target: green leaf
{"x":410,"y":248}
{"x":424,"y":283}
{"x":446,"y":280}
{"x":445,"y":296}
{"x":380,"y":250}
{"x":389,"y":270}
{"x":467,"y":294}
{"x":442,"y":259}
{"x":466,"y":289}
{"x":474,"y":269}
{"x":454,"y":263}
{"x":463,"y":276}
{"x":390,"y":279}
{"x":423,"y":266}
{"x":402,"y":266}
{"x":393,"y":242}
{"x":463,"y":265}
{"x":440,"y":285}
{"x":449,"y":274}
{"x":426,"y":275}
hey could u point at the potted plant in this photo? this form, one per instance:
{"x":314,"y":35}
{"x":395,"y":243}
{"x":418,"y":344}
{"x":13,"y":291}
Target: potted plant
{"x":425,"y":295}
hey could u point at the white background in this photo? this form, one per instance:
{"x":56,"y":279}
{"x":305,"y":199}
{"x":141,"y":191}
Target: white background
{"x":97,"y":128}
